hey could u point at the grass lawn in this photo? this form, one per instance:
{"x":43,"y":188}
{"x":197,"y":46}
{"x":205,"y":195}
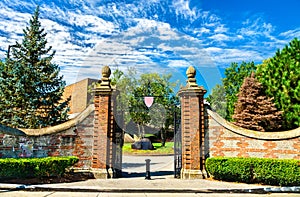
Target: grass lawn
{"x":167,"y":149}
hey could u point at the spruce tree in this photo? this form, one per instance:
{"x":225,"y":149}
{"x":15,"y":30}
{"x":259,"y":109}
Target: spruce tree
{"x":254,"y":110}
{"x":30,"y":85}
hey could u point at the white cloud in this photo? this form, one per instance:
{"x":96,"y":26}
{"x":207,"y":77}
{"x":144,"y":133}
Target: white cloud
{"x":147,"y":44}
{"x":228,"y":55}
{"x":91,"y":23}
{"x":12,"y":23}
{"x":213,"y":49}
{"x":256,"y":27}
{"x":219,"y":37}
{"x":182,"y":7}
{"x":221,"y":29}
{"x":12,"y":14}
{"x":200,"y":31}
{"x":210,"y":20}
{"x":179,"y":63}
{"x":291,"y":33}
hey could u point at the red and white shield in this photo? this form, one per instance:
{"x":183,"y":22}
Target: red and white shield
{"x":148,"y":100}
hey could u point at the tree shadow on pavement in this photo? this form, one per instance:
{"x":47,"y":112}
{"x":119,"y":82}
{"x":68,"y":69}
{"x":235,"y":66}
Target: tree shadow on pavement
{"x":143,"y":174}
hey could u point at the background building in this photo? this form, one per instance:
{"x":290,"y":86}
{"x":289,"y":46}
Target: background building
{"x":80,"y":95}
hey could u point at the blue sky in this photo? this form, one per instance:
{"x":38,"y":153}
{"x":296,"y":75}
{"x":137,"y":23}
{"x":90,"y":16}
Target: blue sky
{"x":282,"y":14}
{"x":155,"y":35}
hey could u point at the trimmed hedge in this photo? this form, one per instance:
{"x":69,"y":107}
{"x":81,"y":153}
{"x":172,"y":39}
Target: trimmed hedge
{"x":35,"y":167}
{"x":283,"y":172}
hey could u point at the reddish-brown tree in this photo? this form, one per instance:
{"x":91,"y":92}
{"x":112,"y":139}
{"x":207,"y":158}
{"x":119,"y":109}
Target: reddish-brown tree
{"x":254,"y":110}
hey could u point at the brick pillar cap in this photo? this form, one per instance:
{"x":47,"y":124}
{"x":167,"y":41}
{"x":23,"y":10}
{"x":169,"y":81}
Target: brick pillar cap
{"x":104,"y":84}
{"x":106,"y":72}
{"x":192,"y":87}
{"x":191,"y":73}
{"x":192,"y":91}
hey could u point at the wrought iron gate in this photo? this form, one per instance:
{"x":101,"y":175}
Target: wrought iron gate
{"x":177,"y":145}
{"x":117,"y":153}
{"x":117,"y":141}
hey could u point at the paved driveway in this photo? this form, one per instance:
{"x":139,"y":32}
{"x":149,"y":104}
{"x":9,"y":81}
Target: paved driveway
{"x":159,"y":165}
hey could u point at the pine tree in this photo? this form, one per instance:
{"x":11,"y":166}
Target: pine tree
{"x":31,"y":88}
{"x":254,"y":110}
{"x":280,"y":76}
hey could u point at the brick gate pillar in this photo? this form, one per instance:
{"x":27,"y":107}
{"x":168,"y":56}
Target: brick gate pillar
{"x":103,"y":127}
{"x":192,"y":125}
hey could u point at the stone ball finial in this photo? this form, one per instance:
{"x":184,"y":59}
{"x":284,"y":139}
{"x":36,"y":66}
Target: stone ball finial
{"x":191,"y":72}
{"x":106,"y":72}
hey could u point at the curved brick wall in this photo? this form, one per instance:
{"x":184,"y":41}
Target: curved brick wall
{"x":74,"y":137}
{"x":225,"y":139}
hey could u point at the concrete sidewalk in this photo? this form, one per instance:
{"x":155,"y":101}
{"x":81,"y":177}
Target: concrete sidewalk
{"x":162,"y":181}
{"x":158,"y":184}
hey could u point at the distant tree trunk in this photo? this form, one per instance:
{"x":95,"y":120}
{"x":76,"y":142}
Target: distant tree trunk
{"x":163,"y":136}
{"x":143,"y":128}
{"x":139,"y":131}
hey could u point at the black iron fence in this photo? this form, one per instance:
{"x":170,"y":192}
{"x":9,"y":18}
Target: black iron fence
{"x":177,"y":145}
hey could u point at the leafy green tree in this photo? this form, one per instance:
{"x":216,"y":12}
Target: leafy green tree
{"x":131,"y":99}
{"x":165,"y":102}
{"x":280,"y":75}
{"x":117,"y":76}
{"x":234,"y":77}
{"x":125,"y":83}
{"x":217,"y":100}
{"x":30,"y":86}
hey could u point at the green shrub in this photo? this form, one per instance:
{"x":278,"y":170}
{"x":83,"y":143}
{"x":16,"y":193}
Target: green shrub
{"x":35,"y":167}
{"x":283,"y":172}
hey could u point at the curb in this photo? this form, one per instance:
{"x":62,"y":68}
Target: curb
{"x":154,"y":190}
{"x":146,"y":154}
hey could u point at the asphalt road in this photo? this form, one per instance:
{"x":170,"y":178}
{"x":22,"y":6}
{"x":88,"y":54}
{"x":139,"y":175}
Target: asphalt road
{"x":103,"y":194}
{"x":137,"y":164}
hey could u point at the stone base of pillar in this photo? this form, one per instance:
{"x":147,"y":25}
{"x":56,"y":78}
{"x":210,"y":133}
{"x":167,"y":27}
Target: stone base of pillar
{"x":102,"y":173}
{"x":193,"y":174}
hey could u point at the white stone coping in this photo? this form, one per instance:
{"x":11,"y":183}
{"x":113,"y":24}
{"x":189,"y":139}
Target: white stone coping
{"x":254,"y":134}
{"x":61,"y":127}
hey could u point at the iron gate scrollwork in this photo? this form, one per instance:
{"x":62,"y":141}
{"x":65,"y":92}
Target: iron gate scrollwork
{"x":177,"y":145}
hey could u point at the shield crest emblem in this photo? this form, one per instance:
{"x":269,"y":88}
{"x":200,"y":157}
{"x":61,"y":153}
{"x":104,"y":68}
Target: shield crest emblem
{"x":148,"y":100}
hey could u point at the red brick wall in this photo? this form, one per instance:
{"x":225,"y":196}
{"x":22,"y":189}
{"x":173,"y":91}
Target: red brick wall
{"x":75,"y":141}
{"x":222,"y":140}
